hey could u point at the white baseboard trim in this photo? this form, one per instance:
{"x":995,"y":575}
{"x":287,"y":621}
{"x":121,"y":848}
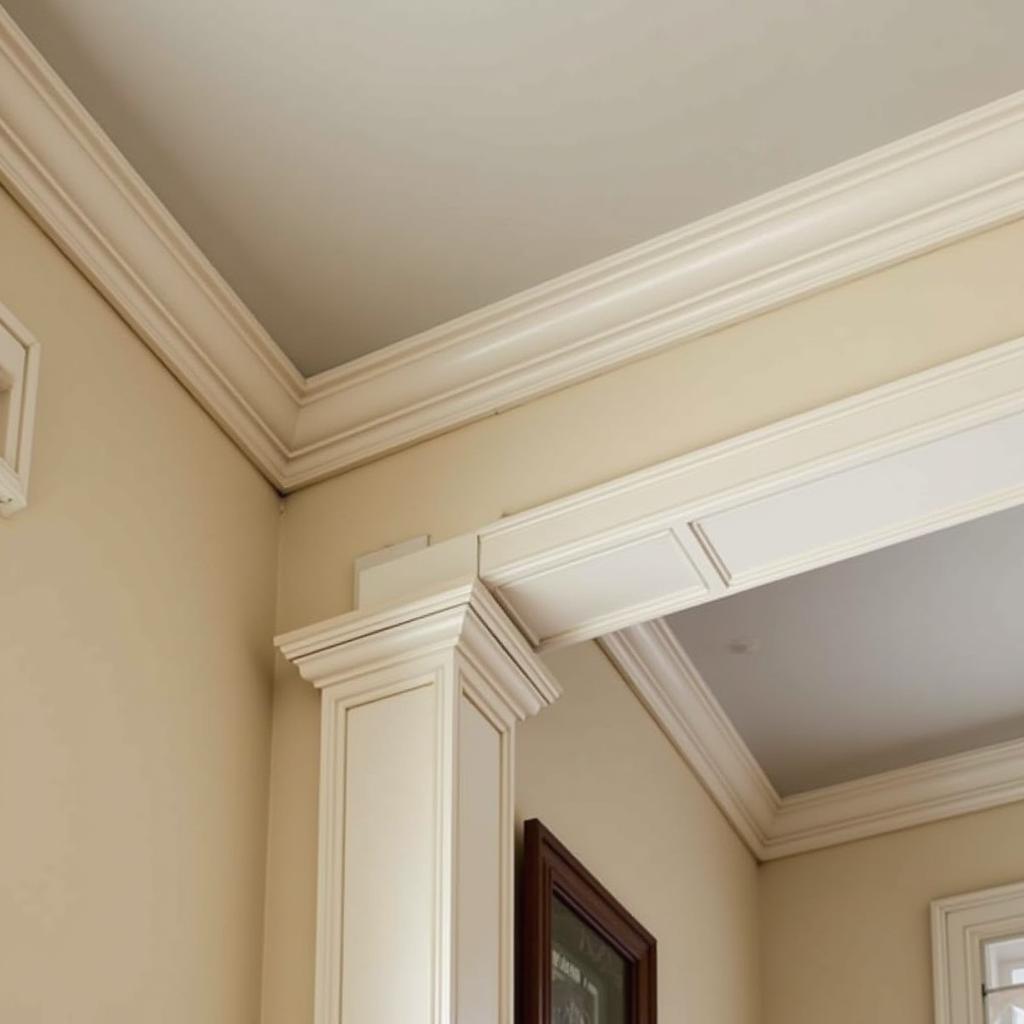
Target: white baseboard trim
{"x":666,"y":681}
{"x":943,"y":184}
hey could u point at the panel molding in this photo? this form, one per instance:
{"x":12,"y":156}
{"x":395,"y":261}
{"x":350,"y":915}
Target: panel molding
{"x":19,"y":385}
{"x":447,"y":679}
{"x":657,"y":668}
{"x":984,"y":390}
{"x":953,"y":180}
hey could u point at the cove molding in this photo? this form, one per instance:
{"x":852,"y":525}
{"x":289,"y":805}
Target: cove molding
{"x":661,"y":674}
{"x":950,"y":181}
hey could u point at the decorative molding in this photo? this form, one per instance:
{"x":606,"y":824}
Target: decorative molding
{"x":657,"y":668}
{"x":64,"y":170}
{"x":960,"y":926}
{"x":19,"y":383}
{"x":960,"y":177}
{"x":419,"y":705}
{"x":331,"y":652}
{"x":588,"y":564}
{"x":661,"y":674}
{"x":930,"y":791}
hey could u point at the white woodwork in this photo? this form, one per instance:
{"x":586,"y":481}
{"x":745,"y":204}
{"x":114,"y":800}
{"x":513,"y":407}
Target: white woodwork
{"x":926,"y":452}
{"x":415,"y":895}
{"x":668,"y":684}
{"x":482,"y":835}
{"x":960,"y":927}
{"x":658,"y":670}
{"x":639,"y":578}
{"x":435,"y":566}
{"x":932,"y":450}
{"x":390,"y":860}
{"x":882,"y":501}
{"x":19,"y":382}
{"x":948,"y":182}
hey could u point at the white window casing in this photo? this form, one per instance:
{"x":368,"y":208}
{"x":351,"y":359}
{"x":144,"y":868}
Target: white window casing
{"x":961,"y":926}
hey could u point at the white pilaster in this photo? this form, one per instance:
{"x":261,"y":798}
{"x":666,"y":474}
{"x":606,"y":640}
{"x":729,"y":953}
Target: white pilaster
{"x":415,"y":889}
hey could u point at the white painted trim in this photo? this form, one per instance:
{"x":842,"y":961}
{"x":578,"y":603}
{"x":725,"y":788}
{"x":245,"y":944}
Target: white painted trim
{"x":937,"y":789}
{"x":948,"y":182}
{"x":56,"y":160}
{"x":458,"y":645}
{"x":337,"y":649}
{"x":678,"y":494}
{"x":960,"y":924}
{"x":19,"y":386}
{"x":661,"y":674}
{"x":657,"y":668}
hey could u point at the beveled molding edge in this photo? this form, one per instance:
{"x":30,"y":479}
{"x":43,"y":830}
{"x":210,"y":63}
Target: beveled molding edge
{"x":931,"y":188}
{"x":463,"y":614}
{"x":661,"y":674}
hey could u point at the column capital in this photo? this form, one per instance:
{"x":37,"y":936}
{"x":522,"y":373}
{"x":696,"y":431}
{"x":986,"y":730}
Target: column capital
{"x":463,"y":618}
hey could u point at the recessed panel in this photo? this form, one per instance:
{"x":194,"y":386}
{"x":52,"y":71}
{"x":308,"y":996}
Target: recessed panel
{"x":598,"y":592}
{"x":895,"y":497}
{"x":390,"y":866}
{"x":479,"y":867}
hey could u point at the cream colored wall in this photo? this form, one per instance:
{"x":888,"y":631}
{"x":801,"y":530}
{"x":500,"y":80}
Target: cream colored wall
{"x":922,"y":313}
{"x":600,"y":774}
{"x":136,"y":609}
{"x":845,"y":932}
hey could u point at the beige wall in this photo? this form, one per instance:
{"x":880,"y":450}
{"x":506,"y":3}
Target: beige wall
{"x":922,"y":313}
{"x":136,"y":607}
{"x":599,"y":773}
{"x":135,"y":706}
{"x":845,"y":933}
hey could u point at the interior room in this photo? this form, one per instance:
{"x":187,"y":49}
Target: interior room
{"x":511,"y":515}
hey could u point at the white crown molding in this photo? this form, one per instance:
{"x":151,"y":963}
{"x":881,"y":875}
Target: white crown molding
{"x":654,"y":664}
{"x":661,"y":674}
{"x":950,"y":181}
{"x":56,"y":160}
{"x":931,"y":791}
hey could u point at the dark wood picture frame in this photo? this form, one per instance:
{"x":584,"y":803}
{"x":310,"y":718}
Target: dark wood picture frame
{"x":550,"y":871}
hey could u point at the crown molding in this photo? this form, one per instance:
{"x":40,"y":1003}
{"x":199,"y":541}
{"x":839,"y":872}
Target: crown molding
{"x":960,"y":177}
{"x":656,"y":667}
{"x":661,"y":674}
{"x":70,"y":177}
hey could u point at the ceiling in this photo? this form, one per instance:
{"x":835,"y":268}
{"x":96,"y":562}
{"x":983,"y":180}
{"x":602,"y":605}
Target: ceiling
{"x":360,"y":172}
{"x":908,"y":653}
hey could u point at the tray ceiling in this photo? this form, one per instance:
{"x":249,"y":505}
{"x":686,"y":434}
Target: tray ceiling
{"x":363,"y":172}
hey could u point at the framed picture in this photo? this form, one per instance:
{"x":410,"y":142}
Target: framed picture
{"x":583,"y":958}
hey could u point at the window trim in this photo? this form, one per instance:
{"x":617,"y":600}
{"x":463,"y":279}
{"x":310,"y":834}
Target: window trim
{"x":960,"y":924}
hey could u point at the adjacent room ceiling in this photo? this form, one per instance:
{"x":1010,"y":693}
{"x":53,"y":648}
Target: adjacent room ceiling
{"x":360,"y":172}
{"x":895,"y":657}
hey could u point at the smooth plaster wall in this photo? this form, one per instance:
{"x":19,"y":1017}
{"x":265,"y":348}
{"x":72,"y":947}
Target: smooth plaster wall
{"x":598,"y":771}
{"x":845,"y":932}
{"x":136,"y":610}
{"x":922,"y":313}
